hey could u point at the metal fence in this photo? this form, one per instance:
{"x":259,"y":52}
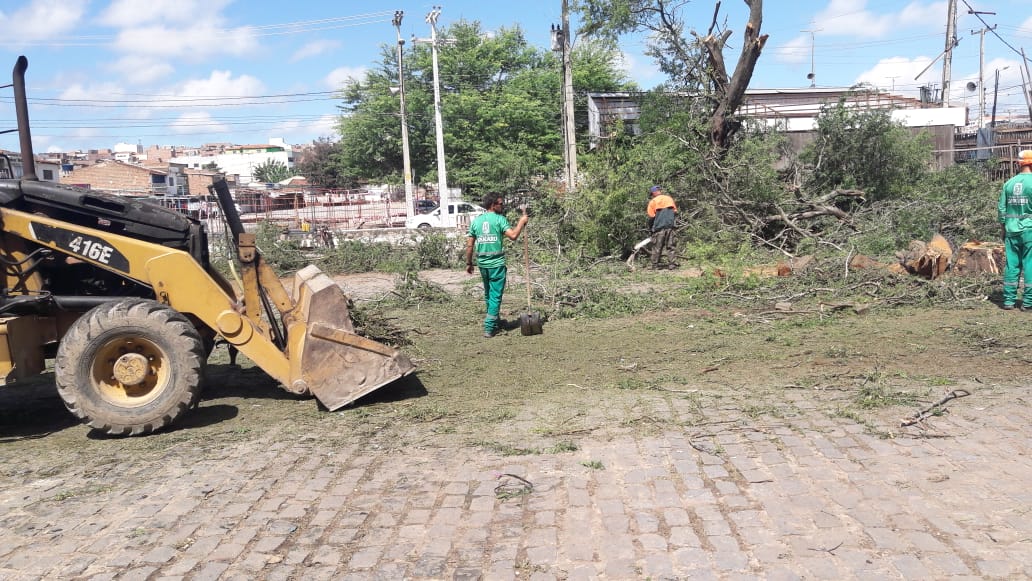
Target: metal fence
{"x":995,"y":162}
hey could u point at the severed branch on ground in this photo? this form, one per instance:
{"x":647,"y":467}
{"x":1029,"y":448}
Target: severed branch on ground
{"x":933,"y":409}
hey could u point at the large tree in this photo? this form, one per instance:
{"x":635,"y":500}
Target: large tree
{"x":500,"y":107}
{"x":694,"y":64}
{"x":322,"y":166}
{"x":271,"y":171}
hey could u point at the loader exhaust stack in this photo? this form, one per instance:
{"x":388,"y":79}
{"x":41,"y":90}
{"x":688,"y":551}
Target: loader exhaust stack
{"x":22,"y":112}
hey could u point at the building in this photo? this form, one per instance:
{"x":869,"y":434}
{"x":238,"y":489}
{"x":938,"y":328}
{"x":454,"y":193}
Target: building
{"x":795,"y":112}
{"x":119,"y":178}
{"x":188,"y":181}
{"x":11,"y":166}
{"x":241,"y":160}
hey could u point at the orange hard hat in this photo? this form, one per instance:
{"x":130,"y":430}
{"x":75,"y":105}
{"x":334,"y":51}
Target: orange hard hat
{"x":1025,"y":158}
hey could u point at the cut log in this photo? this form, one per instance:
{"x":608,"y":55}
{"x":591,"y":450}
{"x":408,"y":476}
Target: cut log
{"x":863,"y":262}
{"x":794,"y":265}
{"x":976,"y":257}
{"x":929,"y":260}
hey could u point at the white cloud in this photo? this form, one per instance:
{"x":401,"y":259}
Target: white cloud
{"x":295,"y":131}
{"x":141,"y":70}
{"x":41,"y":20}
{"x":96,"y":92}
{"x":194,"y":92}
{"x":897,"y":73}
{"x":852,"y":18}
{"x":314,"y":48}
{"x":196,"y":42}
{"x":222,"y":84}
{"x":795,"y":51}
{"x":49,"y":143}
{"x":921,"y":14}
{"x":207,"y":92}
{"x":127,"y":13}
{"x":337,"y":77}
{"x":197,"y":122}
{"x":646,"y":75}
{"x":1026,"y":27}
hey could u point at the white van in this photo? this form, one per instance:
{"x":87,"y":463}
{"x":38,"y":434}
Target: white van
{"x":453,"y":214}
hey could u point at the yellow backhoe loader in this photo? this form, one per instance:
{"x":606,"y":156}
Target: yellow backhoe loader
{"x":120,"y":293}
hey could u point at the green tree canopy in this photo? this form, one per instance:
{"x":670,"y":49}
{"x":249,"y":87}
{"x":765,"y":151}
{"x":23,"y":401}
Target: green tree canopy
{"x":271,"y":171}
{"x":322,"y":166}
{"x":865,"y":149}
{"x":500,"y":104}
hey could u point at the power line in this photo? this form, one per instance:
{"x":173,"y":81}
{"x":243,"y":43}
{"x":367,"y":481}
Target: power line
{"x":173,"y":98}
{"x":992,"y":29}
{"x":281,"y":29}
{"x":190,"y":105}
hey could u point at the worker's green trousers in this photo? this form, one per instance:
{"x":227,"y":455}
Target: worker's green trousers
{"x":1018,"y":247}
{"x":494,"y":287}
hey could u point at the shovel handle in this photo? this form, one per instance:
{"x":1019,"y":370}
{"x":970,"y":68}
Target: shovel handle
{"x":526,"y":263}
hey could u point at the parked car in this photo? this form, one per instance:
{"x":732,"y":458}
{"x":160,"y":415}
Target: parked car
{"x":450,"y":215}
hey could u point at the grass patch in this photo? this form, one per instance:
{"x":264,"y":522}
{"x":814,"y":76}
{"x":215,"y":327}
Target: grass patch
{"x":91,"y":490}
{"x":874,"y":396}
{"x":502,"y":449}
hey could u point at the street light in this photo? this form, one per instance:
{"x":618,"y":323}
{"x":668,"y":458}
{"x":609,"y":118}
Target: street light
{"x":434,"y":41}
{"x":409,"y":208}
{"x":812,"y":75}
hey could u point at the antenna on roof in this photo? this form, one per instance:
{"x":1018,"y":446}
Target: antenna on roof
{"x":812,"y":75}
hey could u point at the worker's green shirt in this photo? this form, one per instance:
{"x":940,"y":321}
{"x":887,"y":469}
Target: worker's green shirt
{"x":488,"y":230}
{"x":1015,"y":207}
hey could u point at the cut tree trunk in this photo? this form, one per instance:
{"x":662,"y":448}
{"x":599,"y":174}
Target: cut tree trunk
{"x":976,"y":257}
{"x":928,"y":260}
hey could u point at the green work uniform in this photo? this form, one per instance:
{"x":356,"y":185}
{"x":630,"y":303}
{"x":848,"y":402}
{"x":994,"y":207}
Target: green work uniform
{"x":488,"y":231}
{"x":1015,"y":213}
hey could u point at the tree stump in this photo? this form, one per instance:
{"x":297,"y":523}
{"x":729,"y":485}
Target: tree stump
{"x":976,"y":257}
{"x":928,"y":260}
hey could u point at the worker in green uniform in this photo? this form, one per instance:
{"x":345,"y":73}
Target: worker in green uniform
{"x":1015,"y":215}
{"x":484,"y":243}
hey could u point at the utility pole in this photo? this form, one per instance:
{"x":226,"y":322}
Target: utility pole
{"x":1026,"y":85}
{"x":981,"y":74}
{"x":410,"y":209}
{"x":996,"y":92}
{"x":951,"y":42}
{"x":569,"y":125}
{"x":442,"y":174}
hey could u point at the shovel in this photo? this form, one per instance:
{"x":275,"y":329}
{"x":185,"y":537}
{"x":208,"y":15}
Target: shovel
{"x":530,"y":321}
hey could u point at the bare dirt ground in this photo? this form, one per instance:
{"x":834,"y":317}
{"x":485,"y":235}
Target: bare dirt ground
{"x":696,"y":443}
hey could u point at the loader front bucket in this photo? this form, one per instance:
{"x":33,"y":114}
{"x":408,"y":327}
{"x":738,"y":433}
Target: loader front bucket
{"x":336,"y":365}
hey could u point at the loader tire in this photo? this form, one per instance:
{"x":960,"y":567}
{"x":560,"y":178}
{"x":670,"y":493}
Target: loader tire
{"x":130,"y":367}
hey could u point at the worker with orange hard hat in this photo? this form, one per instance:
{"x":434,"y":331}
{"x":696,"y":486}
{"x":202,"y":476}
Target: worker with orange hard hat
{"x":1015,"y":215}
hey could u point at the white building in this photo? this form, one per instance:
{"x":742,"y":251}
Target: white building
{"x":241,"y":160}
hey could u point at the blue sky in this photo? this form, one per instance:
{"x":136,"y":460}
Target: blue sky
{"x":186,"y":72}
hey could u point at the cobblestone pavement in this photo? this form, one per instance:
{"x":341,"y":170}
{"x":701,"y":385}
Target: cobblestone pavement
{"x":821,"y":498}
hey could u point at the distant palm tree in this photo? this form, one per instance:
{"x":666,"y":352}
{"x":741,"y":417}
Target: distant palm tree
{"x":271,"y":171}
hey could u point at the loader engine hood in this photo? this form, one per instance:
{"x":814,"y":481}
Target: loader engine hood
{"x":123,"y":215}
